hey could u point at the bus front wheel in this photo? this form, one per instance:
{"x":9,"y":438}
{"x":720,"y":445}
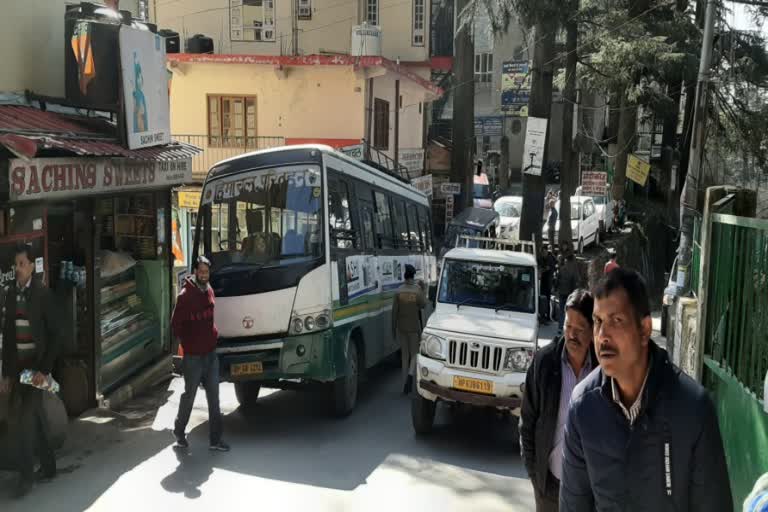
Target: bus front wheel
{"x":247,"y":393}
{"x":344,"y":390}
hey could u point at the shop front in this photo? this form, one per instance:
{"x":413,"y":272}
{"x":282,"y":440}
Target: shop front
{"x":101,"y":233}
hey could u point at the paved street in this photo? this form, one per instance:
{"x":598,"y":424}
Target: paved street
{"x":288,"y":454}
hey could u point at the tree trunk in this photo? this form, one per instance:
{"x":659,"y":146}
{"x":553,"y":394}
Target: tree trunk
{"x":539,"y":105}
{"x":569,"y":174}
{"x":625,"y":143}
{"x":464,"y":113}
{"x":503,"y":173}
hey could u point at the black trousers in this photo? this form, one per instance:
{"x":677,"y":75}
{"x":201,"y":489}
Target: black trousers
{"x":549,"y":501}
{"x":28,"y":431}
{"x":197,"y":370}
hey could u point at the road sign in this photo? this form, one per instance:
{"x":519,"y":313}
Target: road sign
{"x":593,"y":183}
{"x":535,"y":137}
{"x":637,"y":170}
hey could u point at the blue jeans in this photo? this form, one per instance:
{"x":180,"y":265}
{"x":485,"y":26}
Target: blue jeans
{"x":205,"y":370}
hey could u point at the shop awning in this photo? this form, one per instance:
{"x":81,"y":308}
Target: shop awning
{"x":29,"y":132}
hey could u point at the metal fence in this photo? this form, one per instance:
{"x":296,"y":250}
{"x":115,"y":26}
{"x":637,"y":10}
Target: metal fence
{"x":696,"y":261}
{"x":736,"y":330}
{"x":214,"y":152}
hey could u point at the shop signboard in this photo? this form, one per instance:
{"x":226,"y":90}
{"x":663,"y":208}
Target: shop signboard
{"x":413,"y":160}
{"x":515,"y":87}
{"x":58,"y":178}
{"x":450,"y":189}
{"x":189,"y":199}
{"x":637,"y":170}
{"x":355,"y":151}
{"x":533,"y":153}
{"x":423,"y":184}
{"x":489,"y":126}
{"x":593,"y":183}
{"x":146,"y":108}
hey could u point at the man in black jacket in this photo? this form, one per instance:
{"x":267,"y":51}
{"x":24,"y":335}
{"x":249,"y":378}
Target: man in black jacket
{"x":29,"y":343}
{"x":555,"y":371}
{"x":641,"y":435}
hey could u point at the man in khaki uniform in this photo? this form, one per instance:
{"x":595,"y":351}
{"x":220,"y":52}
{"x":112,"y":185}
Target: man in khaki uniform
{"x":408,"y":302}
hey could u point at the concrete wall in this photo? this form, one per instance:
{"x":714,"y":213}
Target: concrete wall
{"x":411,"y":114}
{"x":329,"y":30}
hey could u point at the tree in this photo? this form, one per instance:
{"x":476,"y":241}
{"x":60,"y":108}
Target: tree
{"x":464,"y":106}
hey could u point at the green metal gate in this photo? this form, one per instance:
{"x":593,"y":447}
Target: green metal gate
{"x":735,"y":342}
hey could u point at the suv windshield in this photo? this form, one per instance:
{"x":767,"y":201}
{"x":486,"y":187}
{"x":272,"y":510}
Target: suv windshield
{"x":482,"y":191}
{"x":488,"y":285}
{"x":269,"y":216}
{"x":507,"y":209}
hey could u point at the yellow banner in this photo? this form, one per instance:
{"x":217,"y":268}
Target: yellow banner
{"x":189,"y":199}
{"x":638,"y":170}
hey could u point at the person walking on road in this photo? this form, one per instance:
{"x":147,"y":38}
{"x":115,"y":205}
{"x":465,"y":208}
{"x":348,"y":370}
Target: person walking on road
{"x":30,"y":335}
{"x":612,"y":264}
{"x":640,"y":435}
{"x":407,"y":305}
{"x":548,"y":268}
{"x":555,"y":372}
{"x":567,"y":281}
{"x":552,"y":222}
{"x":193,"y":325}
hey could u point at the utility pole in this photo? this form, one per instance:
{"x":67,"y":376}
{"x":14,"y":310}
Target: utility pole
{"x":463,"y":109}
{"x":398,"y":106}
{"x":294,"y":27}
{"x":569,"y":174}
{"x":689,"y":200}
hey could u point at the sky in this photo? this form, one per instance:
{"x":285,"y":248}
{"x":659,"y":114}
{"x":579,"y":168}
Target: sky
{"x":741,"y":19}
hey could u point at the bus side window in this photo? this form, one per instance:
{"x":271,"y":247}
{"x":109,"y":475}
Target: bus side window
{"x":401,"y":225}
{"x":414,"y":231}
{"x":342,"y":233}
{"x":366,"y":224}
{"x":426,"y":228}
{"x":383,"y":220}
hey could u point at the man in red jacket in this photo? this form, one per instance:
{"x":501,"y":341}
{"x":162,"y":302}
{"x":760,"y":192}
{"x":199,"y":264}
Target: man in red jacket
{"x":193,"y":325}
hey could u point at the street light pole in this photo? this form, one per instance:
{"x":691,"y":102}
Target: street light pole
{"x":689,"y":199}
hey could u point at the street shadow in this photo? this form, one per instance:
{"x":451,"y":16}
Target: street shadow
{"x":191,"y":473}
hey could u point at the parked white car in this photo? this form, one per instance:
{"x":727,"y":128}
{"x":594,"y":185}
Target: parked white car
{"x":509,"y":209}
{"x":604,"y":205}
{"x":585,"y":224}
{"x":480,"y":340}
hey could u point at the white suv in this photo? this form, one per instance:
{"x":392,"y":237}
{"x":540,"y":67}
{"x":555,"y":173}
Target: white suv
{"x":479,"y":342}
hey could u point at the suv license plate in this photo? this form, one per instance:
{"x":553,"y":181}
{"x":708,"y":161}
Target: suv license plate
{"x":473,"y":385}
{"x":245,"y":369}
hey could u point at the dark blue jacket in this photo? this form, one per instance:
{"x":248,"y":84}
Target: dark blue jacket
{"x":672,"y":459}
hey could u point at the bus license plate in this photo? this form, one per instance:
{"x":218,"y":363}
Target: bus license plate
{"x":246,"y":369}
{"x":473,"y":385}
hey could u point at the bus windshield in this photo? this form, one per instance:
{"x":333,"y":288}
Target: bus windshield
{"x":266,"y":217}
{"x":488,"y":285}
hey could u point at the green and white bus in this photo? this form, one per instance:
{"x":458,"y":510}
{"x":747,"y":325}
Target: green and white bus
{"x":307,"y":248}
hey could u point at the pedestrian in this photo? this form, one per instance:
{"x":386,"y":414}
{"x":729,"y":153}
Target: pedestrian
{"x":30,"y":335}
{"x":552,"y":222}
{"x":555,"y":372}
{"x":612,"y":264}
{"x":548,"y":268}
{"x":193,"y":325}
{"x":410,"y":299}
{"x":567,"y":281}
{"x":640,"y":435}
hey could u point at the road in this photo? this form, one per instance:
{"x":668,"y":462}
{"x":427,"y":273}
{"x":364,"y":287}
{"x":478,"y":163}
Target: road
{"x":288,"y":454}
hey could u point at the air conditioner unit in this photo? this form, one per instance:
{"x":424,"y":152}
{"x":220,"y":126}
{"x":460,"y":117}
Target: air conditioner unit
{"x":366,"y":41}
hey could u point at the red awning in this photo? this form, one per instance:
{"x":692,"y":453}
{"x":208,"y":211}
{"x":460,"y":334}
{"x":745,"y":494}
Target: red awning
{"x":29,"y":132}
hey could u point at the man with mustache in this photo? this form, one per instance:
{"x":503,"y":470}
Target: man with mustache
{"x":641,"y":435}
{"x":555,"y":371}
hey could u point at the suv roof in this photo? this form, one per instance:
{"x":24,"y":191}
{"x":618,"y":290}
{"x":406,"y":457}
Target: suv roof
{"x":492,"y":256}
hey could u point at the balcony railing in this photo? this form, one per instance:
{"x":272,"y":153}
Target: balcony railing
{"x":215,"y":151}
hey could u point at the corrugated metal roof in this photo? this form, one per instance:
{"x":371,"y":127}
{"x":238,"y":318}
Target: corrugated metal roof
{"x":28,"y":132}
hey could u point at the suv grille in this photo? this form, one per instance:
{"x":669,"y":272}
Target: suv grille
{"x":475,"y":356}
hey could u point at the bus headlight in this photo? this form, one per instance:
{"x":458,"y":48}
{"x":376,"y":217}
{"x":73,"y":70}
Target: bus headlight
{"x":297,"y":326}
{"x":518,"y":359}
{"x":309,"y":323}
{"x":433,"y":347}
{"x":312,"y":322}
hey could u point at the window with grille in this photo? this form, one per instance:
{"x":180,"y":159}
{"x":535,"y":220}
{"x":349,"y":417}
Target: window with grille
{"x":304,"y":11}
{"x":419,"y":23}
{"x":143,"y":10}
{"x":381,"y":124}
{"x":252,"y":20}
{"x":484,"y":68}
{"x":232,"y":121}
{"x":372,"y":12}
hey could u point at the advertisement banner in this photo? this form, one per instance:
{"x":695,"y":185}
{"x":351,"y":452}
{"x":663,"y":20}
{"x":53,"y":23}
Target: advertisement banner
{"x":355,"y":151}
{"x":489,"y":126}
{"x":423,"y":184}
{"x":637,"y":170}
{"x":535,"y":138}
{"x":515,"y":87}
{"x":190,"y":199}
{"x":56,"y":178}
{"x":593,"y":183}
{"x":146,"y":107}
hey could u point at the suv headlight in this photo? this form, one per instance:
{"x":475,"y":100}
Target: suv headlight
{"x":518,"y":359}
{"x":312,"y":322}
{"x":432,"y":346}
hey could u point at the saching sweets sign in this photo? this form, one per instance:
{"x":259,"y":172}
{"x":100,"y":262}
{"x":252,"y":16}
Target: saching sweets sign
{"x":55,"y":178}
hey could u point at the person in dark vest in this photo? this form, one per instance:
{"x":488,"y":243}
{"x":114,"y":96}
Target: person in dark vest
{"x":193,"y":325}
{"x":29,"y":343}
{"x":407,"y":305}
{"x":641,"y":435}
{"x":555,"y":372}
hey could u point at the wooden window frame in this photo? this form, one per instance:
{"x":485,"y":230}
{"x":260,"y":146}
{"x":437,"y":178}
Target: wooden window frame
{"x":416,"y":31}
{"x":220,"y":114}
{"x":381,"y":124}
{"x":369,"y":6}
